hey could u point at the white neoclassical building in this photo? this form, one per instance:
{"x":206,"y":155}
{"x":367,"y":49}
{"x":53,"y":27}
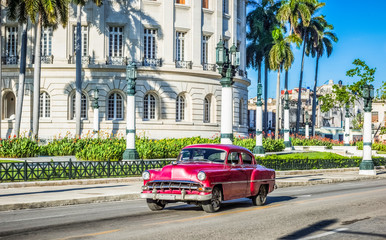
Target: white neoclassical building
{"x":173,"y":43}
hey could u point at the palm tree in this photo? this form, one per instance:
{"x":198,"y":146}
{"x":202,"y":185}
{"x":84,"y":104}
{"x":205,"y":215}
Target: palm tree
{"x":78,"y":53}
{"x":292,"y":11}
{"x":43,"y":13}
{"x":306,"y":32}
{"x":261,"y":21}
{"x":16,"y":10}
{"x":280,"y":56}
{"x":321,"y":43}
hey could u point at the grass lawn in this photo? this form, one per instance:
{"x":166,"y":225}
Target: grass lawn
{"x":309,"y":155}
{"x":8,"y":161}
{"x":381,"y":152}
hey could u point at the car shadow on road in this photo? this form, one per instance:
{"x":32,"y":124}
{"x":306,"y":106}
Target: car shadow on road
{"x":233,"y":204}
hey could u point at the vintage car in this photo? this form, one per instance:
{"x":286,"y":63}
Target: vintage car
{"x":206,"y":175}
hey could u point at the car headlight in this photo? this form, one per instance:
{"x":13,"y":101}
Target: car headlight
{"x":201,"y":176}
{"x":146,"y":175}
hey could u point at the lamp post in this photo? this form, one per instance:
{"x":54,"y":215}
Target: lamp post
{"x":130,"y":152}
{"x":307,"y":131}
{"x":287,"y":142}
{"x":227,"y":62}
{"x":367,"y":166}
{"x":259,"y":149}
{"x":347,"y":126}
{"x":96,"y":111}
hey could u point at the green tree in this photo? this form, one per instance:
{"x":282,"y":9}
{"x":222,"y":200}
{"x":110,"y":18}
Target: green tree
{"x":261,"y":21}
{"x":280,"y":56}
{"x":364,"y":73}
{"x":43,"y":13}
{"x":16,"y":10}
{"x":322,"y":43}
{"x":78,"y":52}
{"x":306,"y":32}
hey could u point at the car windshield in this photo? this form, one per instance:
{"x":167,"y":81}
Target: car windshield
{"x":202,"y":154}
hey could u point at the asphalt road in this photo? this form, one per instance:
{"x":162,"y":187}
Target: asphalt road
{"x":354,"y":210}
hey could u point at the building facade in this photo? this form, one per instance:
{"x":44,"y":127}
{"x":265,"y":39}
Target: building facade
{"x":178,"y":93}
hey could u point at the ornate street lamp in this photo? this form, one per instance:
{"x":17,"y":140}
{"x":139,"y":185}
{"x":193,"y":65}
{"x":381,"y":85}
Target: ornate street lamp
{"x":287,"y":142}
{"x":131,"y":75}
{"x":227,"y":62}
{"x":367,"y":166}
{"x":96,"y":110}
{"x":259,"y":149}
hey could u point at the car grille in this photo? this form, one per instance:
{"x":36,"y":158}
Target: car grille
{"x":173,"y":185}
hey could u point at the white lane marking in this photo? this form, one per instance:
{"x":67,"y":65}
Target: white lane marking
{"x":324,"y":234}
{"x":308,"y":195}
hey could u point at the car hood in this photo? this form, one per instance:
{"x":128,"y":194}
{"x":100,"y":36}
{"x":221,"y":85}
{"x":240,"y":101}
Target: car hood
{"x":187,"y":171}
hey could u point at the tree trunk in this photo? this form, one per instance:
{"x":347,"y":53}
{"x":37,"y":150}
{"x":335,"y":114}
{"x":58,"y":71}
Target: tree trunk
{"x":78,"y":80}
{"x":37,"y":71}
{"x":314,"y":96}
{"x":266,"y":98}
{"x":300,"y":89}
{"x":20,"y":93}
{"x":277,"y":105}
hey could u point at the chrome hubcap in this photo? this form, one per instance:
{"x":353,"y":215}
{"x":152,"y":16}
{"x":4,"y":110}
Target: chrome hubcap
{"x":216,"y":198}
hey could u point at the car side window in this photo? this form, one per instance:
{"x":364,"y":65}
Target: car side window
{"x":233,"y":158}
{"x":247,"y":159}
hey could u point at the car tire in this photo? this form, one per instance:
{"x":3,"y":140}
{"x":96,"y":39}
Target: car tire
{"x":214,"y":204}
{"x":155,"y":205}
{"x":261,"y":197}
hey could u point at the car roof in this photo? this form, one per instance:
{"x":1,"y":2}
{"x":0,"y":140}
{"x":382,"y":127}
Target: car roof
{"x":226,"y":147}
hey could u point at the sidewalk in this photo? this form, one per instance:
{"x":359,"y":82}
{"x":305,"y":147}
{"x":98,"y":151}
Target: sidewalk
{"x":23,"y":195}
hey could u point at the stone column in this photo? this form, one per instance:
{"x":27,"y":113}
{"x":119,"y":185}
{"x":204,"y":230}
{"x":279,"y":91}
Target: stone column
{"x":259,"y":149}
{"x":307,"y":133}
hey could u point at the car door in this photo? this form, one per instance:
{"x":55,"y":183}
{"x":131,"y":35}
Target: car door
{"x":238,"y":177}
{"x":248,"y":168}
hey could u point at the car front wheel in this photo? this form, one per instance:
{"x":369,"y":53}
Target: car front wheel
{"x":155,"y":205}
{"x":213,"y":205}
{"x":261,"y":197}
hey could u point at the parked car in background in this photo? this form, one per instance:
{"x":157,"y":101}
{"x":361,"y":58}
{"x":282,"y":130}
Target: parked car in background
{"x":206,"y":175}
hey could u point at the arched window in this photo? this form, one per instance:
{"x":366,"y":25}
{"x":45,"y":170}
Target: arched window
{"x":180,"y":108}
{"x":83,"y":106}
{"x":149,"y":107}
{"x":241,"y":112}
{"x":9,"y":105}
{"x":45,"y":105}
{"x":115,"y":107}
{"x":206,"y":110}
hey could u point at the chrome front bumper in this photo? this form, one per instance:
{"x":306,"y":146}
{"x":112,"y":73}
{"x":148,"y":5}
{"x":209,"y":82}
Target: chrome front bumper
{"x":176,"y":197}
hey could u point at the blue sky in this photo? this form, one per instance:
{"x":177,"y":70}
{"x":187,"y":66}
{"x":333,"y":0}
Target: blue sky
{"x":360,"y":27}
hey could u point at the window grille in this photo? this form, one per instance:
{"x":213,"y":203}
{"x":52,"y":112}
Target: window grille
{"x":115,"y":107}
{"x":205,"y":43}
{"x":46,"y":42}
{"x":180,"y":46}
{"x":180,"y":108}
{"x":149,"y":107}
{"x":206,"y":110}
{"x":45,"y":105}
{"x":83,"y":106}
{"x":84,"y":40}
{"x":150,"y":44}
{"x":116,"y":42}
{"x":11,"y":41}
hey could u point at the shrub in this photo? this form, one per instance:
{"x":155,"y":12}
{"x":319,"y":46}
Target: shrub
{"x":18,"y":147}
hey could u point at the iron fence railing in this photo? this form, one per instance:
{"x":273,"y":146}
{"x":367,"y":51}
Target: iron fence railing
{"x":32,"y":171}
{"x":308,"y":164}
{"x":27,"y":171}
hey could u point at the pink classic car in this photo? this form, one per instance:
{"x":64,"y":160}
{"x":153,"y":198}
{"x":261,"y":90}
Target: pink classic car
{"x":206,"y":175}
